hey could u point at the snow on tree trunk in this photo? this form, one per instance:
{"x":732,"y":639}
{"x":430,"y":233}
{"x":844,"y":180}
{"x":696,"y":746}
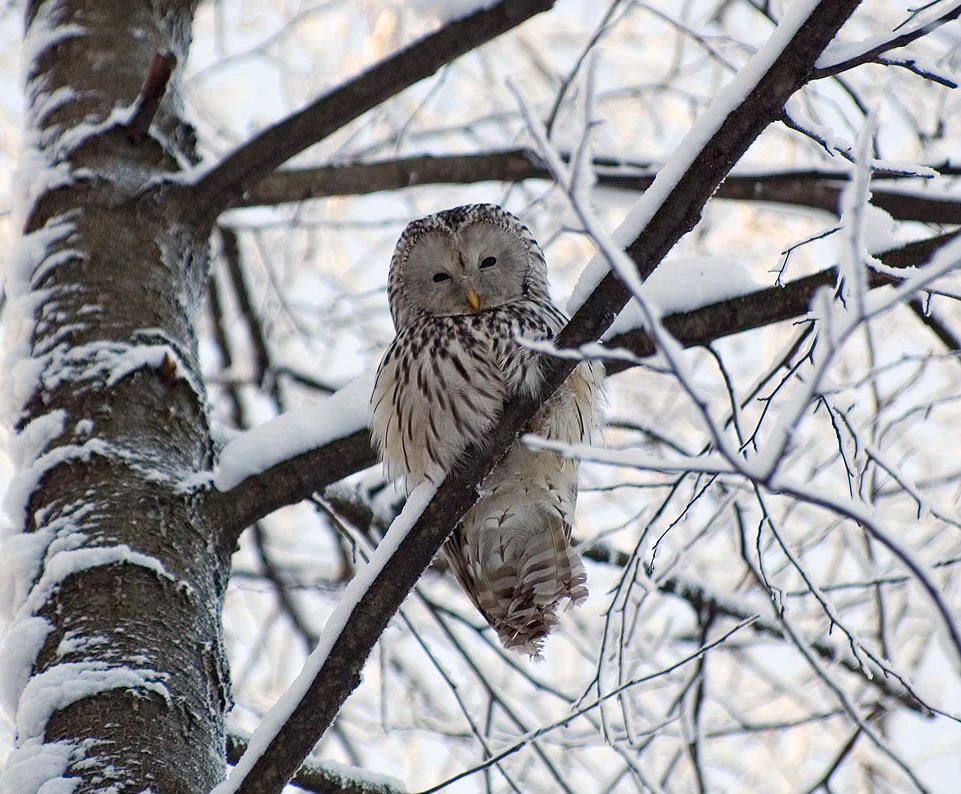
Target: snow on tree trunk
{"x":114,"y":663}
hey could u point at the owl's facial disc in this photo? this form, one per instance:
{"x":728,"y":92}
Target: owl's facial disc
{"x":476,"y":267}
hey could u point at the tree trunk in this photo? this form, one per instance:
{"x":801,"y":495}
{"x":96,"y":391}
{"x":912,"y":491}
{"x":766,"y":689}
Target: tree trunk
{"x":121,"y":581}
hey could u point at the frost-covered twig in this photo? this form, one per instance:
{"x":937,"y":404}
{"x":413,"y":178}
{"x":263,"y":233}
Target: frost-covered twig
{"x":887,"y":682}
{"x":596,"y":703}
{"x":842,"y":56}
{"x":865,"y":518}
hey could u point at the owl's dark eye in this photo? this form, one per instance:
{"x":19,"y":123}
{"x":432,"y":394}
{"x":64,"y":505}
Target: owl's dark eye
{"x":488,"y":262}
{"x":439,"y":277}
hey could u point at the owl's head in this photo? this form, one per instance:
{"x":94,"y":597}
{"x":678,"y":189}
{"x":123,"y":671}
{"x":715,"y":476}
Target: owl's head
{"x":464,"y":260}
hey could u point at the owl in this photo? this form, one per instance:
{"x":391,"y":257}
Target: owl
{"x":465,"y":284}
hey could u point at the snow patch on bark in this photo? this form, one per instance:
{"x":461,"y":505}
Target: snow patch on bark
{"x":60,"y":564}
{"x":34,"y":176}
{"x":18,"y":653}
{"x":19,"y":566}
{"x":30,"y":254}
{"x":30,"y":442}
{"x":28,"y":476}
{"x":57,"y":548}
{"x":108,"y":362}
{"x":57,"y":687}
{"x":47,"y":29}
{"x":78,"y":642}
{"x":138,"y":357}
{"x":38,"y":768}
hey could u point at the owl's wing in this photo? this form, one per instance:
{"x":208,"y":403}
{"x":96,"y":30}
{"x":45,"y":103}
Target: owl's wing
{"x":512,"y":551}
{"x":533,"y":320}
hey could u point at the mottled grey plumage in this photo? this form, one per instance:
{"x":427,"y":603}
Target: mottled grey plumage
{"x":464,"y":284}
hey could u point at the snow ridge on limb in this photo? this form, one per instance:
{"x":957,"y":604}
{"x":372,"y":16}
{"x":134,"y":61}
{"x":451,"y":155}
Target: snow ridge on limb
{"x":345,"y":412}
{"x":843,"y":55}
{"x":270,"y":736}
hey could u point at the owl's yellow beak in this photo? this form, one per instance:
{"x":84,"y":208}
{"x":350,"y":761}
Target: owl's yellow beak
{"x":473,"y":299}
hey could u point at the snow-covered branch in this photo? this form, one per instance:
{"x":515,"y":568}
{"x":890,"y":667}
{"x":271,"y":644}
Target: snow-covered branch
{"x":844,"y":55}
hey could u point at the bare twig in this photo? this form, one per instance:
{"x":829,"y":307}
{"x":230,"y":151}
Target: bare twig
{"x":231,"y":252}
{"x":581,"y":710}
{"x":845,"y":751}
{"x":148,"y":102}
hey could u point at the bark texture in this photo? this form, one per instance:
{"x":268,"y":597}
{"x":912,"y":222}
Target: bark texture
{"x":128,"y":574}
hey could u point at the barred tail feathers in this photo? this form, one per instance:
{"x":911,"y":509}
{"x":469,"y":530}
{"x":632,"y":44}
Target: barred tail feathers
{"x":513,"y":556}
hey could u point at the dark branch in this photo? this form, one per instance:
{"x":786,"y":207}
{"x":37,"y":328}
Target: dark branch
{"x":824,"y":193}
{"x":231,"y":252}
{"x":913,"y":66}
{"x":287,"y":483}
{"x":816,"y":189}
{"x":154,"y":87}
{"x":224,"y":185}
{"x":766,"y":307}
{"x":937,"y":326}
{"x":340,"y":671}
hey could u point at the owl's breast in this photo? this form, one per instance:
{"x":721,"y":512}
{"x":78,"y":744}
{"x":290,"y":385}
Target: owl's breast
{"x":438,"y":388}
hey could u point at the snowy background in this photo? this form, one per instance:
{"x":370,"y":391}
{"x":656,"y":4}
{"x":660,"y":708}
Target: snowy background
{"x":877,"y":428}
